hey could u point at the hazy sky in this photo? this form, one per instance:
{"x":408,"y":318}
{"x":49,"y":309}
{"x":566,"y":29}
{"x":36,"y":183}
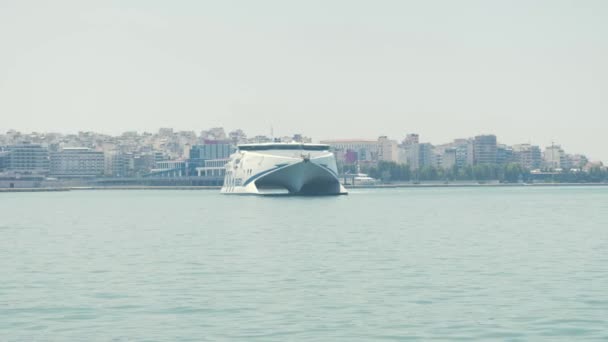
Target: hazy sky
{"x":528,"y":71}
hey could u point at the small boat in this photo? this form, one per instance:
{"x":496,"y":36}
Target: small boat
{"x":363,"y":179}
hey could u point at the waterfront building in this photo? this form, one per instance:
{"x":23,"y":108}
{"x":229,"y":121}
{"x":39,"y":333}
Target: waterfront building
{"x":411,"y":155}
{"x":142,"y":163}
{"x":504,"y":154}
{"x":3,"y":160}
{"x":528,"y":156}
{"x":118,"y":164}
{"x":159,"y":156}
{"x":445,"y":156}
{"x":351,"y":151}
{"x":170,"y":168}
{"x":484,"y":149}
{"x":210,"y":150}
{"x":464,"y":152}
{"x":387,"y":150}
{"x":28,"y":158}
{"x":213,"y":168}
{"x":554,"y":157}
{"x":448,"y":158}
{"x":420,"y":155}
{"x":77,"y":162}
{"x":115,"y":164}
{"x":426,"y":155}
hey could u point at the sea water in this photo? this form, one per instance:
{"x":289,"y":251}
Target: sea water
{"x":525,"y":263}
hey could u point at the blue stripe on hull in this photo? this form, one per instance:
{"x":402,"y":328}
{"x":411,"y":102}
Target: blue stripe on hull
{"x":260,"y":174}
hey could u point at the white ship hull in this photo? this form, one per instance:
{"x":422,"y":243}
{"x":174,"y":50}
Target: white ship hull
{"x":264,"y":170}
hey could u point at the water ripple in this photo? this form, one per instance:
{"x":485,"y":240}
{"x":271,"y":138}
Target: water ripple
{"x":393,"y":265}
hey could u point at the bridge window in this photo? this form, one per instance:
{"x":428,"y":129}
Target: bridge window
{"x":284,"y":147}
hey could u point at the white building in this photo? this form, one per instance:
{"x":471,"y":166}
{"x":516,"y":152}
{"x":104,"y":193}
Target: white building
{"x":388,"y":150}
{"x":213,"y":168}
{"x":170,"y":168}
{"x":554,"y":157}
{"x":77,"y":162}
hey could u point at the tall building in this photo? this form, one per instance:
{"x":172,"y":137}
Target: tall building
{"x":115,"y":164}
{"x":28,"y":158}
{"x":554,"y":157}
{"x":528,"y":156}
{"x":77,"y":162}
{"x":143,"y":163}
{"x":426,"y":155}
{"x":485,"y":149}
{"x":420,"y":155}
{"x":408,"y":150}
{"x":411,"y":155}
{"x":210,"y":150}
{"x":3,"y":160}
{"x":504,"y":154}
{"x":387,"y":150}
{"x":448,"y":158}
{"x":464,"y":152}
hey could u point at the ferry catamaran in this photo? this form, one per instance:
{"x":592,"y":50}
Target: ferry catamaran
{"x":289,"y":168}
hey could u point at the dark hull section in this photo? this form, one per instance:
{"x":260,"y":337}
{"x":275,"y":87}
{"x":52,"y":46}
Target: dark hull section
{"x":302,"y":179}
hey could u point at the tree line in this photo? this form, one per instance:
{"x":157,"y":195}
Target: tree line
{"x":508,"y":173}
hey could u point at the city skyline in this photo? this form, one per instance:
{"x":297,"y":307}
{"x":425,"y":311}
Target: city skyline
{"x":176,"y":145}
{"x":279,"y":134}
{"x":203,"y":158}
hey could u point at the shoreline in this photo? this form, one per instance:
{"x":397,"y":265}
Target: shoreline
{"x":463,"y":185}
{"x":381,"y":186}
